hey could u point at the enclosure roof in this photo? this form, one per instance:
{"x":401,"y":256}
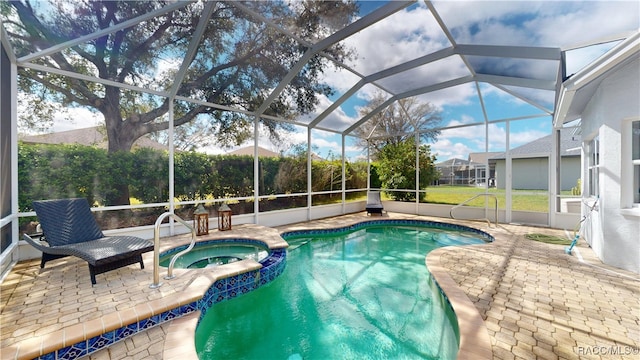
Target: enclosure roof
{"x":577,"y":91}
{"x":448,"y":53}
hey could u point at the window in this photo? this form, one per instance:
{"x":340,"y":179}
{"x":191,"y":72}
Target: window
{"x":630,"y":171}
{"x":635,"y":161}
{"x":594,"y":166}
{"x":6,"y":153}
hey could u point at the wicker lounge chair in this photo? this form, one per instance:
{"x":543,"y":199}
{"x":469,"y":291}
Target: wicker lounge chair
{"x":374,"y":204}
{"x":69,"y":228}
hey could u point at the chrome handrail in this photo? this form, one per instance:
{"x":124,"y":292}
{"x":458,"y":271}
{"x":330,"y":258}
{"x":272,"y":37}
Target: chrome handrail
{"x":472,"y":198}
{"x":156,"y":249}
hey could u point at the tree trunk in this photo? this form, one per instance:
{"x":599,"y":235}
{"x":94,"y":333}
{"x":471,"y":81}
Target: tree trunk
{"x":120,"y":135}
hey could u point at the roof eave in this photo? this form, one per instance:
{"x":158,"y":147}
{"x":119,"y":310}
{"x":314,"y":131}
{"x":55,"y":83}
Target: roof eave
{"x":567,"y":109}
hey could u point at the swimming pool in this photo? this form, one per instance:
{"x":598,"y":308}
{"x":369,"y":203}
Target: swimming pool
{"x":362,"y":292}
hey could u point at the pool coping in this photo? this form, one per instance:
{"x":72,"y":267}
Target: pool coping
{"x":475,"y":342}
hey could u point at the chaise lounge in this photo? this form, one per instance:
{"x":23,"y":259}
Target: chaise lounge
{"x":374,"y":203}
{"x":70,"y":229}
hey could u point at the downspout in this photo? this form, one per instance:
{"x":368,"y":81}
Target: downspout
{"x":507,"y":174}
{"x":172,"y":177}
{"x":256,"y":173}
{"x":344,"y":175}
{"x":309,"y":188}
{"x":417,"y":184}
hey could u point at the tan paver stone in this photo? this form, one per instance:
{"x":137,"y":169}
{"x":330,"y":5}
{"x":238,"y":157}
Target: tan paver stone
{"x":47,"y":329}
{"x":101,"y":355}
{"x":503,"y":354}
{"x":492,"y":324}
{"x":544,"y":337}
{"x":523,"y":353}
{"x":506,"y":337}
{"x":544,"y":353}
{"x":566,"y":351}
{"x":501,"y":345}
{"x":583,"y":339}
{"x":509,"y":324}
{"x":526,"y":338}
{"x":116,"y":351}
{"x":580,"y":326}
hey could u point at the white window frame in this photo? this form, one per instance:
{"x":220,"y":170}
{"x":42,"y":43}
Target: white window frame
{"x":630,"y":174}
{"x":592,"y":187}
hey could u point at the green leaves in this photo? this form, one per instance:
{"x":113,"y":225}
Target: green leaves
{"x":48,"y":171}
{"x":396,"y":168}
{"x":238,"y":62}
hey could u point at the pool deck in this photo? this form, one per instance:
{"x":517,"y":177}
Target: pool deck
{"x":515,"y":299}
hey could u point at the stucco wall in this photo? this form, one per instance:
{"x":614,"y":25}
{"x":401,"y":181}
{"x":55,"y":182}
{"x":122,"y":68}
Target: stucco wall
{"x":533,"y":173}
{"x":612,"y":231}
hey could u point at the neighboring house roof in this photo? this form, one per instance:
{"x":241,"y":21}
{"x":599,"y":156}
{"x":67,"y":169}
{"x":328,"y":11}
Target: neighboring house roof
{"x":93,"y":136}
{"x":569,"y":146}
{"x":249,"y":150}
{"x":482,"y":157}
{"x":262,"y":152}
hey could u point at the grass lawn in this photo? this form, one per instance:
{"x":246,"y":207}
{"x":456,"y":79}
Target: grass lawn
{"x":523,"y":200}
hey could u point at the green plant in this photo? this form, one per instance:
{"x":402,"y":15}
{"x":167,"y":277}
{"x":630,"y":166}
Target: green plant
{"x":577,"y":190}
{"x":397,"y":168}
{"x":548,"y":239}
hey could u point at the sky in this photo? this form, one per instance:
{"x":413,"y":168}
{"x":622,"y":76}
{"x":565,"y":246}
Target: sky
{"x":413,"y":32}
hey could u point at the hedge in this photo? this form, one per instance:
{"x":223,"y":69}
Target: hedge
{"x":47,"y":171}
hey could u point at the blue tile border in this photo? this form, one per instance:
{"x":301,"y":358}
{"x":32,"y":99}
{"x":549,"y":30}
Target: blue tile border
{"x":233,"y":286}
{"x":406,"y":222}
{"x":221,"y":290}
{"x":241,"y":241}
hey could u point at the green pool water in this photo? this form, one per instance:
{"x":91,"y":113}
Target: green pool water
{"x":365,"y":294}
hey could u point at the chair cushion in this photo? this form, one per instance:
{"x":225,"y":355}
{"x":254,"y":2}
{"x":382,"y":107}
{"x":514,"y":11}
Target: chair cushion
{"x":373,"y":198}
{"x":67,"y":221}
{"x":109,"y":249}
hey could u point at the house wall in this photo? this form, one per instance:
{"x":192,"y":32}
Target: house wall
{"x":612,"y":231}
{"x":533,"y":173}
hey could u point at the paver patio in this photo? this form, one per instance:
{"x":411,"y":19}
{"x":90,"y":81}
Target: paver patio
{"x":536,"y":301}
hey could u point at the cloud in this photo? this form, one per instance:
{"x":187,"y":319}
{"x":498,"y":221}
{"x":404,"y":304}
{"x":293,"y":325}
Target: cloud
{"x":76,"y":118}
{"x":337,"y":119}
{"x":570,"y":23}
{"x":458,"y":142}
{"x":453,"y":96}
{"x":445,"y":149}
{"x":412,"y":33}
{"x":405,"y":35}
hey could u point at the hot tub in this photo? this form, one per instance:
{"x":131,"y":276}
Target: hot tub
{"x":212,"y":253}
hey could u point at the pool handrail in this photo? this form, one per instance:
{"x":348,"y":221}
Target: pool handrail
{"x":156,"y":248}
{"x":473,"y":198}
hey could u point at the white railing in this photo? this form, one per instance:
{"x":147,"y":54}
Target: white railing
{"x":473,"y":198}
{"x":156,"y":249}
